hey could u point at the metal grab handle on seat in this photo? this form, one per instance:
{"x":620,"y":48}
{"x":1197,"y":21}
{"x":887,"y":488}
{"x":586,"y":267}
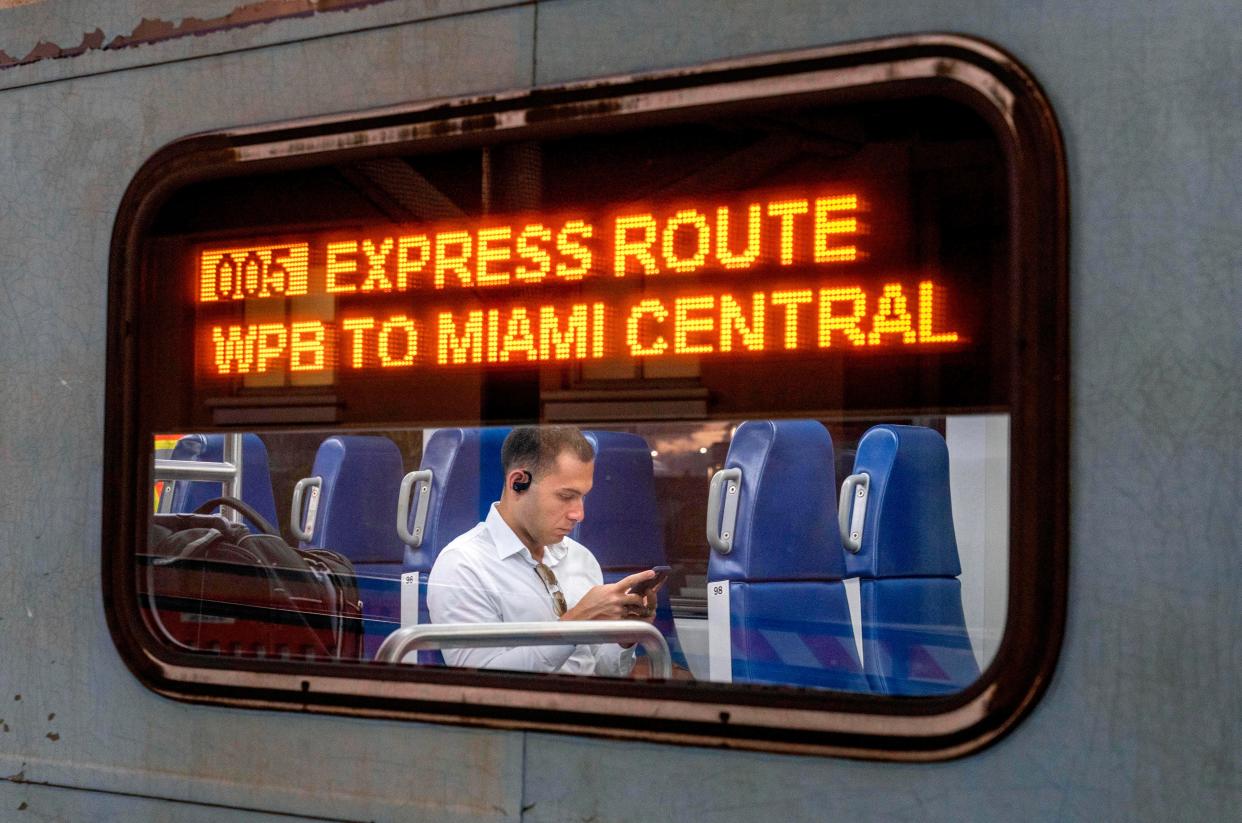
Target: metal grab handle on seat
{"x":852,"y":510}
{"x":725,"y":490}
{"x":489,"y":635}
{"x":303,"y":528}
{"x":413,"y":537}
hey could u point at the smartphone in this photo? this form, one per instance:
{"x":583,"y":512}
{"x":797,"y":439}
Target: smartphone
{"x":644,"y":586}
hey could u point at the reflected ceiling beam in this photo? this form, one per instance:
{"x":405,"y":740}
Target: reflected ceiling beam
{"x":400,"y":192}
{"x":743,"y":169}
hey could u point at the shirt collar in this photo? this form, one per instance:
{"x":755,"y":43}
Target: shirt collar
{"x":507,"y":543}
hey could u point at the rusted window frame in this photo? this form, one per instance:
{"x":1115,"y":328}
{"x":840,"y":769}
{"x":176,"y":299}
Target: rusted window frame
{"x":766,"y":718}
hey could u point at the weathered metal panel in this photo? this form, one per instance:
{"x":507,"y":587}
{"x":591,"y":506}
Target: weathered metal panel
{"x":36,"y":803}
{"x":67,"y":152}
{"x":1143,"y":719}
{"x":59,"y":39}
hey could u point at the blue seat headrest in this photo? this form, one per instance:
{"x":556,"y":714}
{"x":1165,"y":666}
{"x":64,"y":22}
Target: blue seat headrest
{"x":466,"y":479}
{"x":787,"y":510}
{"x":622,"y":528}
{"x":358,"y":501}
{"x":908,"y":530}
{"x":256,"y":476}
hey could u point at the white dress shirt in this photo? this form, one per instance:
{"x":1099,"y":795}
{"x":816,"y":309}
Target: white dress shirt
{"x":487,"y":576}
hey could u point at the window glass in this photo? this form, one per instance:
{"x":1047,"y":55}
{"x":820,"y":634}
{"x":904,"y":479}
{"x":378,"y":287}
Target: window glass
{"x":823,"y":282}
{"x":311,"y":563}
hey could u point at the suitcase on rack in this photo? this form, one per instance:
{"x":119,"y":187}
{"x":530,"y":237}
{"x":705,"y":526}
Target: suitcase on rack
{"x":211,"y":585}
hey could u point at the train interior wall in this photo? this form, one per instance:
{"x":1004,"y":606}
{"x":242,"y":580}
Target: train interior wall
{"x":1143,"y":718}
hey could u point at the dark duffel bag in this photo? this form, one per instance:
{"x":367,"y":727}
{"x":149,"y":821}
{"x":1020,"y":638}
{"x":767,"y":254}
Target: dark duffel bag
{"x":213,"y":585}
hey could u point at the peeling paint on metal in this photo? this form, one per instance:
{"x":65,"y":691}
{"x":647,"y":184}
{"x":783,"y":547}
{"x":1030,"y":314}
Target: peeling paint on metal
{"x":158,"y":30}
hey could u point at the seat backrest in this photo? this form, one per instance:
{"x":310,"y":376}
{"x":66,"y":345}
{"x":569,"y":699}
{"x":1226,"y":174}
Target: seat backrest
{"x":622,"y":528}
{"x":357,"y":508}
{"x":777,"y":607}
{"x":256,"y":476}
{"x":466,"y":478}
{"x":786,"y":527}
{"x":908,"y":529}
{"x":913,"y":629}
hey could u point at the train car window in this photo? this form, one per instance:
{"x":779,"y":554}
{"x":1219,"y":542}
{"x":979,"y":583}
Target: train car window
{"x":733,"y":397}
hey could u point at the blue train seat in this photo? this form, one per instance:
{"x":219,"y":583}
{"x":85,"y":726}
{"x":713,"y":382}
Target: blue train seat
{"x":913,"y":630}
{"x":461,"y":476}
{"x":777,"y":608}
{"x":349,"y":505}
{"x":465,"y":479}
{"x":256,"y":477}
{"x":623,"y":528}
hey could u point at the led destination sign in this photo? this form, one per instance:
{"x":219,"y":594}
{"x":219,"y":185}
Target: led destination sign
{"x":750,"y":277}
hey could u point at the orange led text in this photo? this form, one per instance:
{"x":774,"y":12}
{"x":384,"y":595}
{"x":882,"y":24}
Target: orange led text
{"x":734,"y":237}
{"x":710,"y":323}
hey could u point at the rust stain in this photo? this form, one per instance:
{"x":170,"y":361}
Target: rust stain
{"x":157,"y":30}
{"x":569,"y":111}
{"x":478,"y":122}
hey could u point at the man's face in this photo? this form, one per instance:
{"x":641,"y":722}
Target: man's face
{"x":553,"y":505}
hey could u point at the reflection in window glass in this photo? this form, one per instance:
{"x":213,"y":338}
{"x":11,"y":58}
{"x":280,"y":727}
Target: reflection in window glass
{"x":849,"y":554}
{"x":766,"y":353}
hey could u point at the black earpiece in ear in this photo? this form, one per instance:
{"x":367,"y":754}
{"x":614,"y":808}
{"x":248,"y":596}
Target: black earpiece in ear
{"x":524,"y":483}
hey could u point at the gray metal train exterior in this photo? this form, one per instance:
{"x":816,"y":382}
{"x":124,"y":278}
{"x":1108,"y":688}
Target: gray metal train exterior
{"x":1142,"y":719}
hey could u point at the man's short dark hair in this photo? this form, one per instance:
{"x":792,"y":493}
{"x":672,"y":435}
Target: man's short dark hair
{"x":535,"y":448}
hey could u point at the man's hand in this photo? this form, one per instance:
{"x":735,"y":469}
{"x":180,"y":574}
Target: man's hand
{"x":613,"y":601}
{"x":648,"y":609}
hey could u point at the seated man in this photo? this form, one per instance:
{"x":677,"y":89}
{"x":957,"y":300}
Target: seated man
{"x":520,"y":566}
